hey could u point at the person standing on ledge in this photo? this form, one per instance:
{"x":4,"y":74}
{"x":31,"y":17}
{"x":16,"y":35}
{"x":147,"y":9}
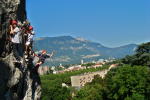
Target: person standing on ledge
{"x":15,"y":33}
{"x":29,"y":41}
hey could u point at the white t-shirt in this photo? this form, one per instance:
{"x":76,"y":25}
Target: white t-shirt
{"x":16,"y":37}
{"x":30,"y":36}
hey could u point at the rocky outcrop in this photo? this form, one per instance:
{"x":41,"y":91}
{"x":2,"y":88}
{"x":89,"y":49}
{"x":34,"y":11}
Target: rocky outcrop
{"x":17,"y":81}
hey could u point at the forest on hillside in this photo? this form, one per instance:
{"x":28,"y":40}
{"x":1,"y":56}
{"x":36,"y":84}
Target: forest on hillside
{"x":129,"y":81}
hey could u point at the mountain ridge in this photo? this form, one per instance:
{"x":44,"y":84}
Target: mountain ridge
{"x":71,"y":50}
{"x":78,"y":38}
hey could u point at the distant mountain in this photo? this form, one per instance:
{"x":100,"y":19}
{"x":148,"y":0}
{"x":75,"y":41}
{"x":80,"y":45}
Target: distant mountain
{"x":71,"y":50}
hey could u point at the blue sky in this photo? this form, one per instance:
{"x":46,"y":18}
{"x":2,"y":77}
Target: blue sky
{"x":109,"y":22}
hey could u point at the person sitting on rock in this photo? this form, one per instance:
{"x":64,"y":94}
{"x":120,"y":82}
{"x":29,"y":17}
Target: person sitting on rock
{"x":28,"y":44}
{"x":42,"y":57}
{"x":16,"y":41}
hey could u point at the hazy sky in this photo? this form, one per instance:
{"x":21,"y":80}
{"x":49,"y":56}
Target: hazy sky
{"x":109,"y":22}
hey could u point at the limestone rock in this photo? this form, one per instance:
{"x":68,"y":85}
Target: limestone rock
{"x":17,"y":81}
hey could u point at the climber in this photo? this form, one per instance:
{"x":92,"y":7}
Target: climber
{"x":28,"y":44}
{"x":42,"y":57}
{"x":16,"y":40}
{"x":25,"y":29}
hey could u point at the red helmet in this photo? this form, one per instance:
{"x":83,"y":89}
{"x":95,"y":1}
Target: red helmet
{"x":30,"y":28}
{"x":43,"y":51}
{"x":14,"y":22}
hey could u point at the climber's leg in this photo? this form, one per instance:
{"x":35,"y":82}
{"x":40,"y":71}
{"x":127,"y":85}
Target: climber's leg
{"x":15,"y":51}
{"x":27,"y":49}
{"x":38,"y":65}
{"x":20,"y":50}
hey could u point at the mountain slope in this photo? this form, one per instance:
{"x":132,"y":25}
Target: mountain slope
{"x":71,"y":50}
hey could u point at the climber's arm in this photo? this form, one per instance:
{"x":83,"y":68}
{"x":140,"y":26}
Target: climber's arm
{"x":11,"y":30}
{"x":50,"y":55}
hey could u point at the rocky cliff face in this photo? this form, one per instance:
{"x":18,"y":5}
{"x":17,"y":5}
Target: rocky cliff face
{"x":17,"y":81}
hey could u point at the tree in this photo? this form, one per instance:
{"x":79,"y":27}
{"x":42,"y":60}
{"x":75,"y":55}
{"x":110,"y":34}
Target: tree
{"x":53,"y":90}
{"x":129,"y":83}
{"x":142,"y":56}
{"x":93,"y":91}
{"x":143,"y":48}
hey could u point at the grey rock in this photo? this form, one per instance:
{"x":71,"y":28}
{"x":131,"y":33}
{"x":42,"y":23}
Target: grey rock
{"x":17,"y":81}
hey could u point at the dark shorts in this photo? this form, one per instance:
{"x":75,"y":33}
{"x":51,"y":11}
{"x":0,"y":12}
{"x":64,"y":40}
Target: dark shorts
{"x":17,"y":50}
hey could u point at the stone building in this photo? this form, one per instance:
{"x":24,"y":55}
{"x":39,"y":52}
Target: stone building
{"x":80,"y":80}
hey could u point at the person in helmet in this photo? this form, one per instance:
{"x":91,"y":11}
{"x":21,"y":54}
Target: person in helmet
{"x":15,"y":33}
{"x":25,"y":29}
{"x":29,"y":41}
{"x":42,"y":57}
